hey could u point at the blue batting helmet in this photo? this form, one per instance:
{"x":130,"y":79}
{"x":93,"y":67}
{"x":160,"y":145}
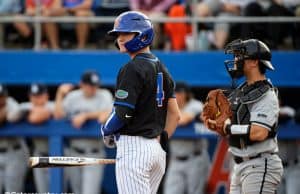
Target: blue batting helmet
{"x":136,"y":22}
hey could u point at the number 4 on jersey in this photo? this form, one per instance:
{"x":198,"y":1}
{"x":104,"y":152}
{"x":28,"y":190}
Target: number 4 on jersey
{"x":160,"y":95}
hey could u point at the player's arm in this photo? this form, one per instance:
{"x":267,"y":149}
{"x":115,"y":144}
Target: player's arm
{"x":59,"y":112}
{"x":121,"y":115}
{"x":258,"y":133}
{"x":186,"y":118}
{"x":115,"y":122}
{"x":96,"y":115}
{"x":13,"y":110}
{"x":173,"y":116}
{"x":111,"y":126}
{"x":38,"y":115}
{"x":103,"y":116}
{"x":263,"y":116}
{"x":191,"y":113}
{"x":58,"y":108}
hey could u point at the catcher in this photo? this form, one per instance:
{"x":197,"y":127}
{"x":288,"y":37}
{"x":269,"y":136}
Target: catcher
{"x":248,"y":117}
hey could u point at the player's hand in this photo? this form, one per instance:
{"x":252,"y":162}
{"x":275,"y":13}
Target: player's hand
{"x":103,"y":116}
{"x":38,"y":115}
{"x":219,"y":128}
{"x":109,"y":141}
{"x":64,"y":89}
{"x":79,"y":120}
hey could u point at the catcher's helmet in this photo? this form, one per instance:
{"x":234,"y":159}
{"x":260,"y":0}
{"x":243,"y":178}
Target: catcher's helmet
{"x":247,"y":49}
{"x":136,"y":22}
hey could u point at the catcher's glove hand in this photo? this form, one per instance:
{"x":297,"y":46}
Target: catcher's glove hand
{"x":216,"y":112}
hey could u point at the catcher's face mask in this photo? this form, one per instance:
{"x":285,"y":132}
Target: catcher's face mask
{"x":235,"y":66}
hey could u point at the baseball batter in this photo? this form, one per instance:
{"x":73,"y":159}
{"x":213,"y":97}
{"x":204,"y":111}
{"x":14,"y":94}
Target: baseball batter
{"x":252,"y":128}
{"x":144,"y":107}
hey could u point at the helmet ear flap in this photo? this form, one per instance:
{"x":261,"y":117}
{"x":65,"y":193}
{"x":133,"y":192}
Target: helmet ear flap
{"x":140,"y":41}
{"x":147,"y":36}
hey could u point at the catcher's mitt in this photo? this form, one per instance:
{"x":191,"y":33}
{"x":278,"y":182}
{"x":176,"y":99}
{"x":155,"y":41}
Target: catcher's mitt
{"x":216,"y":111}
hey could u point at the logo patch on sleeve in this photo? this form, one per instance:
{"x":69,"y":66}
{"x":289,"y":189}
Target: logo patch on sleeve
{"x":121,"y":94}
{"x":262,"y":115}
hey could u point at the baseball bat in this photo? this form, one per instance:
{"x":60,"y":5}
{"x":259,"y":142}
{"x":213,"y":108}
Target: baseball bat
{"x":62,"y":161}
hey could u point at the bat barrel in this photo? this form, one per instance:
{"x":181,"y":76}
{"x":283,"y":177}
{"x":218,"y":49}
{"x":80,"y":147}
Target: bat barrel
{"x":62,"y":161}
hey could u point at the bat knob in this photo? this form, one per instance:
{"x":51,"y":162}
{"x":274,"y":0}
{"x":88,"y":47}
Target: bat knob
{"x":33,"y":161}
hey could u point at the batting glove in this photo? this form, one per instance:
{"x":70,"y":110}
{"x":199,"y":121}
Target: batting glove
{"x":109,"y":140}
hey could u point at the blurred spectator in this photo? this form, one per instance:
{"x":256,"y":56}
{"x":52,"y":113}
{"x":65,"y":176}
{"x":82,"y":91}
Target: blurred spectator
{"x":289,"y":152}
{"x":224,"y":9}
{"x":42,"y":8}
{"x":108,"y":8}
{"x":87,"y":103}
{"x":78,"y":8}
{"x":265,"y":31}
{"x":153,"y":9}
{"x":37,"y":111}
{"x":286,"y":114}
{"x":13,"y":151}
{"x":189,"y":164}
{"x":12,"y":8}
{"x":177,"y":32}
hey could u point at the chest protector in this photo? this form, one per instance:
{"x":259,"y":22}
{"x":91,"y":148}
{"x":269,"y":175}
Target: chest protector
{"x":240,"y":98}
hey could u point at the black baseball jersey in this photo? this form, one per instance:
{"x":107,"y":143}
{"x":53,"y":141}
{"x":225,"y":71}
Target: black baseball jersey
{"x":144,"y":85}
